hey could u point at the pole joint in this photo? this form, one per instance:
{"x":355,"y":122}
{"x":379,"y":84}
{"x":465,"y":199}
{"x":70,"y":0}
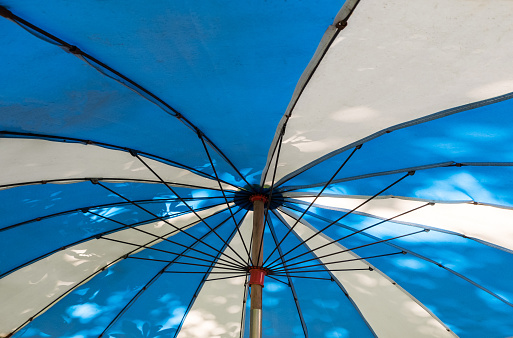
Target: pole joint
{"x":258,"y":197}
{"x":257,"y":275}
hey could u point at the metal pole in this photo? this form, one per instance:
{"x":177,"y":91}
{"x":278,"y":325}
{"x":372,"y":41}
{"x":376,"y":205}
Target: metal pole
{"x":255,"y":326}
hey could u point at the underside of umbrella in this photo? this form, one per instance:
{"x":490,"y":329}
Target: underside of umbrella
{"x":277,"y":169}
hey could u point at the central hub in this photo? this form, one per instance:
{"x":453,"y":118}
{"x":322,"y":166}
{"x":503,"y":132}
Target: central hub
{"x":245,"y":197}
{"x":258,"y":197}
{"x":257,"y":275}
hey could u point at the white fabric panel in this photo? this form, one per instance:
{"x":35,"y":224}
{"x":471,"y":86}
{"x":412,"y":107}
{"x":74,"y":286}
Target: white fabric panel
{"x":28,"y":290}
{"x":27,"y":160}
{"x":388,"y":309}
{"x":483,"y":222}
{"x":218,"y":308}
{"x":396,"y":61}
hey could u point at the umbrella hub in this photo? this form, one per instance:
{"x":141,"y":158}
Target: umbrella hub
{"x":257,"y":275}
{"x":245,"y":197}
{"x":258,"y":197}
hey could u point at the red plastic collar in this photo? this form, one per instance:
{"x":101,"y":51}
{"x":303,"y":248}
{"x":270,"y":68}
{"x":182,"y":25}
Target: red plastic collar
{"x":258,"y":197}
{"x":257,"y":276}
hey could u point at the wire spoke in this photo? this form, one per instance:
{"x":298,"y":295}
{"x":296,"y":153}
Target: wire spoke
{"x":316,"y":197}
{"x":290,"y":283}
{"x":294,"y":269}
{"x":419,"y":256}
{"x":100,"y":206}
{"x":276,"y":279}
{"x":357,"y":232}
{"x":83,"y":280}
{"x":163,"y":270}
{"x":110,"y":179}
{"x":224,"y":195}
{"x":343,"y":216}
{"x":376,"y":174}
{"x":205,"y":276}
{"x":306,"y":277}
{"x":192,"y":210}
{"x":264,"y":177}
{"x":329,"y":270}
{"x":280,"y":253}
{"x":360,"y":246}
{"x":225,"y":158}
{"x":185,"y":263}
{"x":243,"y":312}
{"x":164,"y":238}
{"x":164,"y":220}
{"x":236,"y":276}
{"x":109,"y":146}
{"x":95,"y":236}
{"x":211,"y":272}
{"x":166,"y":251}
{"x":297,"y":94}
{"x":271,"y":194}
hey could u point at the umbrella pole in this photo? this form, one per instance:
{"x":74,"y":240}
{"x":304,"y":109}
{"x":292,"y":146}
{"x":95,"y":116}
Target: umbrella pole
{"x":257,"y":274}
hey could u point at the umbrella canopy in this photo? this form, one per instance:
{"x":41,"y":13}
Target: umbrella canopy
{"x":136,"y":137}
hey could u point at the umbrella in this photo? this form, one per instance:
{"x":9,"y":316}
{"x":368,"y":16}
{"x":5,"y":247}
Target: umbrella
{"x":299,"y":168}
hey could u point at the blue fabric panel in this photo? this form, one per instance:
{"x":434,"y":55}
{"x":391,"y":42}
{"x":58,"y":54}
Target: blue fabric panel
{"x":225,"y":171}
{"x":87,"y":310}
{"x":29,"y":202}
{"x":29,"y":241}
{"x":479,"y":135}
{"x":24,"y":203}
{"x":455,"y":301}
{"x":247,"y":310}
{"x":160,"y":308}
{"x":484,"y":184}
{"x":269,"y":242}
{"x":214,"y":63}
{"x":280,"y":315}
{"x":467,"y":310}
{"x":327,"y":311}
